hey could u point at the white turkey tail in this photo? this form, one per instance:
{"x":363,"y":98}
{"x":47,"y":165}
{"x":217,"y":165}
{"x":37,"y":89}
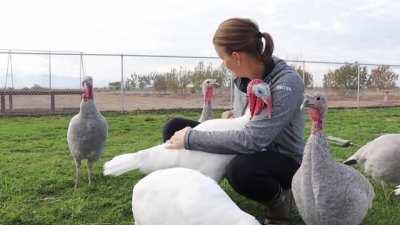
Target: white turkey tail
{"x":357,"y":157}
{"x":353,"y":159}
{"x":146,"y":161}
{"x":122,"y":164}
{"x":350,"y":161}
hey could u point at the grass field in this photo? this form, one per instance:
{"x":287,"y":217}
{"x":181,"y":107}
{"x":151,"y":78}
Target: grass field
{"x":37,"y":171}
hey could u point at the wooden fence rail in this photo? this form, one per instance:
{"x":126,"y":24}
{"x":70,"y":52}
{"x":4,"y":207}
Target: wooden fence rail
{"x":51,"y":93}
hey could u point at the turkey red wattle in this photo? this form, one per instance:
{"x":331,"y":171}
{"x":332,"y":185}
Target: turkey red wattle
{"x":258,"y":104}
{"x":209,"y":94}
{"x":87,"y":92}
{"x":316,"y":119}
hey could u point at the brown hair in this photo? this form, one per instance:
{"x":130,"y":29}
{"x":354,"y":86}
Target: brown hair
{"x":239,"y":34}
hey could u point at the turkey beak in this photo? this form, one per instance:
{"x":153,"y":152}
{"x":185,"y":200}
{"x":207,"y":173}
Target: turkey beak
{"x":215,"y":84}
{"x":305,"y":104}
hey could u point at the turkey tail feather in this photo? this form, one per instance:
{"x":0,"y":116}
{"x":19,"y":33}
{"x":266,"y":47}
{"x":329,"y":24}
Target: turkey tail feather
{"x":350,"y":162}
{"x":122,"y":164}
{"x":147,"y":160}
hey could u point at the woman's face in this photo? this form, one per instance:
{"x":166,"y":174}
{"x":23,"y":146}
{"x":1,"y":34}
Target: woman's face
{"x":232,"y":61}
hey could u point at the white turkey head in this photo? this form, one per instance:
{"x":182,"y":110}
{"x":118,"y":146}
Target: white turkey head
{"x":259,"y":97}
{"x":87,"y":85}
{"x":318,"y":106}
{"x":208,"y":86}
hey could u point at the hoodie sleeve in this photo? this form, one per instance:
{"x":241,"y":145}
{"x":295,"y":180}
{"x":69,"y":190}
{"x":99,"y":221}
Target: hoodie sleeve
{"x":287,"y":95}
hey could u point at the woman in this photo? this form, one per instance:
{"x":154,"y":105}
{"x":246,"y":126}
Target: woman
{"x":269,"y":151}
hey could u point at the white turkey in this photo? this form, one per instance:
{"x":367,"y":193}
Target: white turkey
{"x":212,"y":165}
{"x":207,"y":88}
{"x":87,"y":132}
{"x":325,"y":191}
{"x":180,"y":196}
{"x":380,"y":159}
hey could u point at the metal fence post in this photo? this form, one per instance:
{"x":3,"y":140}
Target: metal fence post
{"x":52,"y":99}
{"x":49,"y":70}
{"x":80,"y":70}
{"x":52,"y":102}
{"x":358,"y":84}
{"x":8,"y":63}
{"x":11,"y":72}
{"x":3,"y":103}
{"x":10,"y":102}
{"x":122,"y":85}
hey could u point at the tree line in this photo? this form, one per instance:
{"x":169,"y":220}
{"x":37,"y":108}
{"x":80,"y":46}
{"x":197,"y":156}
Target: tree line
{"x":381,"y":77}
{"x":176,"y":80}
{"x":181,"y":80}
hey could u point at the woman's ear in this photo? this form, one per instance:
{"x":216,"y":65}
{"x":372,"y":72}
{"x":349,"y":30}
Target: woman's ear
{"x":236,"y":57}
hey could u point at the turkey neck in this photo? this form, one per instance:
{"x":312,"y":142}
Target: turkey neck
{"x":88,"y":108}
{"x":317,"y":118}
{"x":206,"y":112}
{"x":208,"y":94}
{"x":317,"y":148}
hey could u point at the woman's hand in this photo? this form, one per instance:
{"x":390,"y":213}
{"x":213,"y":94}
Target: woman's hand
{"x":177,"y":141}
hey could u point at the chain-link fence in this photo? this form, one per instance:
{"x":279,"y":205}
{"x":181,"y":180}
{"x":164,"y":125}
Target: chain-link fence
{"x":49,"y":82}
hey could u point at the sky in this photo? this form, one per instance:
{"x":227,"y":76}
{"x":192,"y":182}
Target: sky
{"x":324,"y":30}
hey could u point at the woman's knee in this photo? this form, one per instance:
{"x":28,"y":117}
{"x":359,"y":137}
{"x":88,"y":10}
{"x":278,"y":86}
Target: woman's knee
{"x":175,"y":124}
{"x":238,"y":172}
{"x":251,"y":180}
{"x":172,"y":122}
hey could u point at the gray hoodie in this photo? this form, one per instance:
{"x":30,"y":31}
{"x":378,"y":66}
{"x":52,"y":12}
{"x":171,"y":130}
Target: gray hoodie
{"x":284,"y":132}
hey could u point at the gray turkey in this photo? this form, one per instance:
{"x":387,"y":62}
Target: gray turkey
{"x":87,"y":132}
{"x":380,"y":159}
{"x":325,"y":191}
{"x":207,"y":88}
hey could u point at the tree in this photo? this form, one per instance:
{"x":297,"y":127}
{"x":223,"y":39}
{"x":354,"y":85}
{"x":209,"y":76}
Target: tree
{"x":199,"y":75}
{"x":132,"y":81}
{"x":346,"y":77}
{"x":382,"y":77}
{"x":222,"y":76}
{"x":176,"y":80}
{"x":307,"y":76}
{"x":115,"y":85}
{"x":201,"y":72}
{"x":143,"y":81}
{"x":37,"y":87}
{"x":172,"y":80}
{"x":160,"y":83}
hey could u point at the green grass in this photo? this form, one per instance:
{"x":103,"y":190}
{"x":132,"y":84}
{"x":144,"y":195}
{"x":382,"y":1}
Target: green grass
{"x":37,"y":171}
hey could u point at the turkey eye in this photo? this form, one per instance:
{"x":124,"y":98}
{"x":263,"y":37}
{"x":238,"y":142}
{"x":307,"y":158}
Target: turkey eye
{"x":318,"y":98}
